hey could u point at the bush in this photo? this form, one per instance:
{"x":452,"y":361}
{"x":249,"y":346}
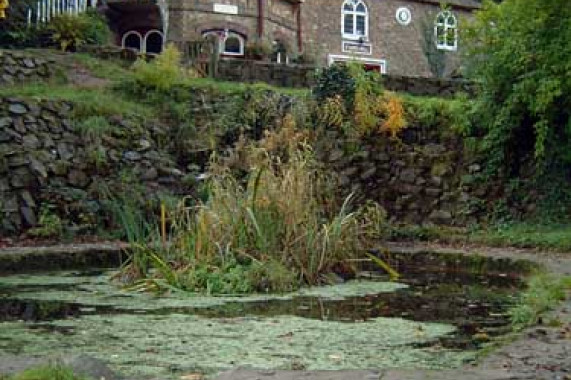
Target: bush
{"x":335,"y":80}
{"x":352,"y":99}
{"x":519,"y":54}
{"x":161,"y":74}
{"x":72,"y":31}
{"x":14,"y":30}
{"x":97,"y":30}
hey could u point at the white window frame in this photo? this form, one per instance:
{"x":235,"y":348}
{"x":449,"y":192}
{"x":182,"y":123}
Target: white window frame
{"x":332,"y":58}
{"x":354,"y":13}
{"x":141,"y":40}
{"x":222,"y":36}
{"x":153,"y":31}
{"x":448,"y":29}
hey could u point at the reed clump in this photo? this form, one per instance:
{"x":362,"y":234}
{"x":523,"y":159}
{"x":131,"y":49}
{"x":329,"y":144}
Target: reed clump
{"x":274,"y":227}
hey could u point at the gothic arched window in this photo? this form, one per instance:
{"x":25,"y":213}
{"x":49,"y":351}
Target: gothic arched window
{"x":446,"y":31}
{"x":355,"y":20}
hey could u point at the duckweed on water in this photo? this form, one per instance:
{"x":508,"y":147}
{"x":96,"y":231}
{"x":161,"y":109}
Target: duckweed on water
{"x":142,"y":345}
{"x":98,"y":291}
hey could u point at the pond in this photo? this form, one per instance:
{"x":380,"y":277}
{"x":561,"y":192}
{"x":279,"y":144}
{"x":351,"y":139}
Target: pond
{"x":440,"y":312}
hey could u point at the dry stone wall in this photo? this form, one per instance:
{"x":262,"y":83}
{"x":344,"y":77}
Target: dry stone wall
{"x":18,"y":67}
{"x":240,"y":70}
{"x":46,"y":160}
{"x":416,"y":182}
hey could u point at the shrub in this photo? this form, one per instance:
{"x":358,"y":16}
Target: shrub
{"x":50,"y":224}
{"x":335,"y":80}
{"x":68,"y":31}
{"x":519,"y":55}
{"x":366,"y":108}
{"x":97,"y":30}
{"x":394,"y":115}
{"x":161,"y":74}
{"x":14,"y":30}
{"x":72,"y":31}
{"x":258,"y":49}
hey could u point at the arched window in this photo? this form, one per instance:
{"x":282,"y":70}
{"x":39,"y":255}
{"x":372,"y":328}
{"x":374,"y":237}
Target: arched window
{"x":132,"y":40}
{"x":154,"y":42}
{"x":229,"y":43}
{"x":355,"y":20}
{"x":446,"y":31}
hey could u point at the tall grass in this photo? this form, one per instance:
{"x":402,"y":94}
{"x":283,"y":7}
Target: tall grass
{"x":277,"y":227}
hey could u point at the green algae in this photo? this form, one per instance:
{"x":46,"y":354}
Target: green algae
{"x":100,"y":291}
{"x":164,"y":345}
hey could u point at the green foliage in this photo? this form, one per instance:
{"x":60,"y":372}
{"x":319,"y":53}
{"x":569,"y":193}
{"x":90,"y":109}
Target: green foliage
{"x":96,"y":30}
{"x":72,"y":31}
{"x":335,"y":80}
{"x":438,"y":114}
{"x":137,"y":229}
{"x":14,"y":31}
{"x":68,"y":31}
{"x":161,"y":74}
{"x":519,"y":54}
{"x":544,"y":292}
{"x":50,"y":224}
{"x":275,"y":230}
{"x":56,"y":372}
{"x":258,"y":49}
{"x":526,"y":235}
{"x":94,"y":127}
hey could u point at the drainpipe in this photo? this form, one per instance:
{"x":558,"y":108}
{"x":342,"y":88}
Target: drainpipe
{"x":261,"y":16}
{"x":299,"y":28}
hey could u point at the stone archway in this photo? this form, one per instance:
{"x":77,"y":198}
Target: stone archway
{"x":144,"y":19}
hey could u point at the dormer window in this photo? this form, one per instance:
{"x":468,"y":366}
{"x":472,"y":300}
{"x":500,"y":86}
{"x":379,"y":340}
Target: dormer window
{"x":446,"y":31}
{"x":355,"y":20}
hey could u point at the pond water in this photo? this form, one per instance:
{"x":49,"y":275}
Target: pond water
{"x":438,"y":315}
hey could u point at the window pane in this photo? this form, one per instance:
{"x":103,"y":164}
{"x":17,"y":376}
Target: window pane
{"x":451,"y":21}
{"x":348,"y":24}
{"x":232,"y":45}
{"x":348,"y":7}
{"x":440,"y":35}
{"x":440,"y":19}
{"x":361,"y":25}
{"x":361,"y":8}
{"x":451,"y":37}
{"x":133,"y":41}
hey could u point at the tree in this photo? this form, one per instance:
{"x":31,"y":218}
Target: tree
{"x":519,"y":53}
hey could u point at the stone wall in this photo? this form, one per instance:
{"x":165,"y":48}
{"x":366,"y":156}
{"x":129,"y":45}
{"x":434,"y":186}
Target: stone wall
{"x":239,"y":70}
{"x":417,"y":182}
{"x":46,"y":160}
{"x":18,"y":67}
{"x":427,"y":86}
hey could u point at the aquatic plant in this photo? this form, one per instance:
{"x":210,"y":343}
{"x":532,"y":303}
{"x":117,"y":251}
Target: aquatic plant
{"x":274,"y":228}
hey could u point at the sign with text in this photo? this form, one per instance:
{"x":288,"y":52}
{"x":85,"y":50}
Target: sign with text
{"x":226,"y":8}
{"x":357,"y":48}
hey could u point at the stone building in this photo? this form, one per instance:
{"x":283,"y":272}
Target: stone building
{"x":400,"y":37}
